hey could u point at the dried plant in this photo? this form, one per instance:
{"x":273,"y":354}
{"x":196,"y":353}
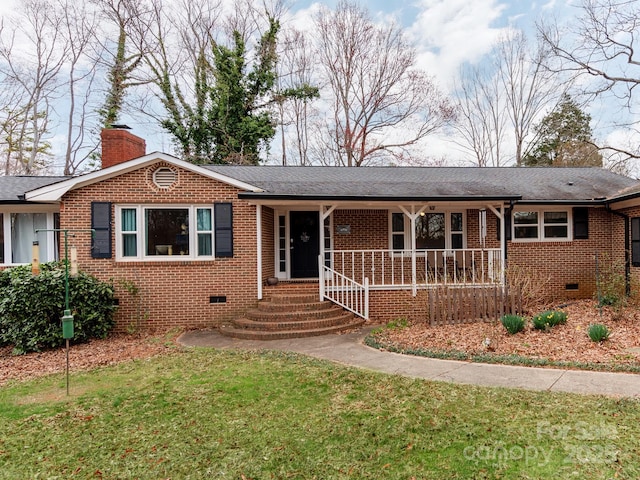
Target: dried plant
{"x":533,"y":286}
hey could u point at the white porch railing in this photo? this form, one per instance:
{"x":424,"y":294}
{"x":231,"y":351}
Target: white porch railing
{"x":394,"y":269}
{"x":344,"y":291}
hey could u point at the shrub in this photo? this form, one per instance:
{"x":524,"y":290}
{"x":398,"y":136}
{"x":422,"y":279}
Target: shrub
{"x":610,"y":283}
{"x":598,"y":332}
{"x":548,"y":319}
{"x":512,"y":323}
{"x":32,"y":307}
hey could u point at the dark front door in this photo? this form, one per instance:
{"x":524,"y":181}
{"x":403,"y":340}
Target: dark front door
{"x":305,"y":244}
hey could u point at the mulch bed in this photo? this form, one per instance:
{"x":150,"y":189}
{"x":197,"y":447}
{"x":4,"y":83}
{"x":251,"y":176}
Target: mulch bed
{"x":563,"y":343}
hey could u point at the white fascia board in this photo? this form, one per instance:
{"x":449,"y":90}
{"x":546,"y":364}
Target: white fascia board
{"x":54,"y":192}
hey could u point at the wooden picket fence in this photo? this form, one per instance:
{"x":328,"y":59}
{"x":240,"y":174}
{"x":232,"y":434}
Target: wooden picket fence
{"x":450,"y":305}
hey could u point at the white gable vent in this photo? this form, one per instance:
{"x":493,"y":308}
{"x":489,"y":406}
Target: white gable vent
{"x":165,"y":177}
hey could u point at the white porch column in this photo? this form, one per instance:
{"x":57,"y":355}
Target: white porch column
{"x":259,"y":248}
{"x":503,"y":241}
{"x":321,"y":258}
{"x":412,"y":218}
{"x":503,"y":247}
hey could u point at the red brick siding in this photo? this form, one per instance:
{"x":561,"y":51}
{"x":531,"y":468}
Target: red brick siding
{"x":119,"y":146}
{"x":268,"y":245}
{"x":369,"y":229}
{"x":387,"y":305}
{"x":569,"y":262}
{"x":171,"y":293}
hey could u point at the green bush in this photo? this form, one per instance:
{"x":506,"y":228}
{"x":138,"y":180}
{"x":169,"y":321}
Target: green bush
{"x":548,"y":319}
{"x":598,"y":332}
{"x":512,"y":323}
{"x":31,"y":307}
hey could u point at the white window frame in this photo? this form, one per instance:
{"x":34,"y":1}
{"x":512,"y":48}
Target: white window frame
{"x":447,"y":227}
{"x":48,"y":255}
{"x":541,"y":224}
{"x":141,"y":233}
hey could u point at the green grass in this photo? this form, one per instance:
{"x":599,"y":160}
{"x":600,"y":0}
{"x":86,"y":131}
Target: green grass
{"x":206,"y":413}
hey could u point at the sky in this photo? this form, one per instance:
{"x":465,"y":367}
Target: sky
{"x":449,"y":33}
{"x":446,"y":34}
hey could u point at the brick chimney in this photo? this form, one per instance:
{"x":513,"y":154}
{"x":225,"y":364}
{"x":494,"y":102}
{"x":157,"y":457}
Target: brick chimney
{"x":119,"y":145}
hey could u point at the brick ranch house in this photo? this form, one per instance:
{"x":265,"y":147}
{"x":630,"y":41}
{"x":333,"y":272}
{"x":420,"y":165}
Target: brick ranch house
{"x":201,"y":243}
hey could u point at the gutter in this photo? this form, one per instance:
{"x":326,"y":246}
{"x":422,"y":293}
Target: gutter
{"x":627,"y":248}
{"x":370,"y":198}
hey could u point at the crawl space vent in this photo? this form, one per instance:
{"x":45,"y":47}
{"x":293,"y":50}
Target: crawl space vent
{"x":164,"y":177}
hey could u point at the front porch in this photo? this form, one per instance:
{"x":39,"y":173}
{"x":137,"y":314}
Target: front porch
{"x":353,"y":250}
{"x":347,"y":276}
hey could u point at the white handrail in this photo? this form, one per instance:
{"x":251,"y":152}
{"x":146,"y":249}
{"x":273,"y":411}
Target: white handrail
{"x":395,"y":269}
{"x":344,"y":291}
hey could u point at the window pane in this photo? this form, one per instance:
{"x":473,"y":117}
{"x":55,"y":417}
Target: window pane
{"x":398,"y":242}
{"x":129,"y":245}
{"x":56,"y":236}
{"x":167,"y":231}
{"x":23,"y":234}
{"x":128,"y":219}
{"x":456,"y":240}
{"x":456,"y":222}
{"x":521,"y":218}
{"x":397,"y":222}
{"x":129,"y":240}
{"x":205,"y":245}
{"x":204,"y":219}
{"x":430,"y":231}
{"x":526,"y":232}
{"x":556,"y":231}
{"x":556,"y":217}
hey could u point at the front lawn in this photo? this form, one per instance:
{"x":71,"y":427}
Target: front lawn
{"x":206,"y":413}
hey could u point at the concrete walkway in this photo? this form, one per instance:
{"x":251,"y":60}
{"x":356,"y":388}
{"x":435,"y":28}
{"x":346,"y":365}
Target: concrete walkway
{"x":348,"y":349}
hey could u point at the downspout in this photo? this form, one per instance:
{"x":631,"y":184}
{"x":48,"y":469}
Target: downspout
{"x":627,"y":249}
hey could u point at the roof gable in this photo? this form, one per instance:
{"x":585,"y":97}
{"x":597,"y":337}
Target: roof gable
{"x":55,"y":191}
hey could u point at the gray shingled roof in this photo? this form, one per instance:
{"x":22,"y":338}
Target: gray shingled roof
{"x":529,"y":184}
{"x":13,"y":188}
{"x":388,"y":183}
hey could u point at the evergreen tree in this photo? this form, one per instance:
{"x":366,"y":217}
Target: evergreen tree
{"x":230,"y":118}
{"x":564,"y":138}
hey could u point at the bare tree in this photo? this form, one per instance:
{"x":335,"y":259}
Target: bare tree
{"x":599,"y":48}
{"x":79,"y":26}
{"x":381,"y":103}
{"x":32,"y":54}
{"x":122,"y":58}
{"x":296,"y":73}
{"x":481,"y":115}
{"x":529,"y":87}
{"x":511,"y":90}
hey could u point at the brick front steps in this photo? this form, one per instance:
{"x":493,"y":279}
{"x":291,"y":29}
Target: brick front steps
{"x":291,"y":311}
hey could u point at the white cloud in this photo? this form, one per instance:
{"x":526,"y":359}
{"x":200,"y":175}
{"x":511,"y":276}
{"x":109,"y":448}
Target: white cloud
{"x":6,"y":7}
{"x":448,"y":33}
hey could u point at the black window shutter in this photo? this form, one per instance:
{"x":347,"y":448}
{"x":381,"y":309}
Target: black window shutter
{"x":580,"y":223}
{"x":507,"y":226}
{"x":223,"y":217}
{"x":101,"y":224}
{"x":635,"y":241}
